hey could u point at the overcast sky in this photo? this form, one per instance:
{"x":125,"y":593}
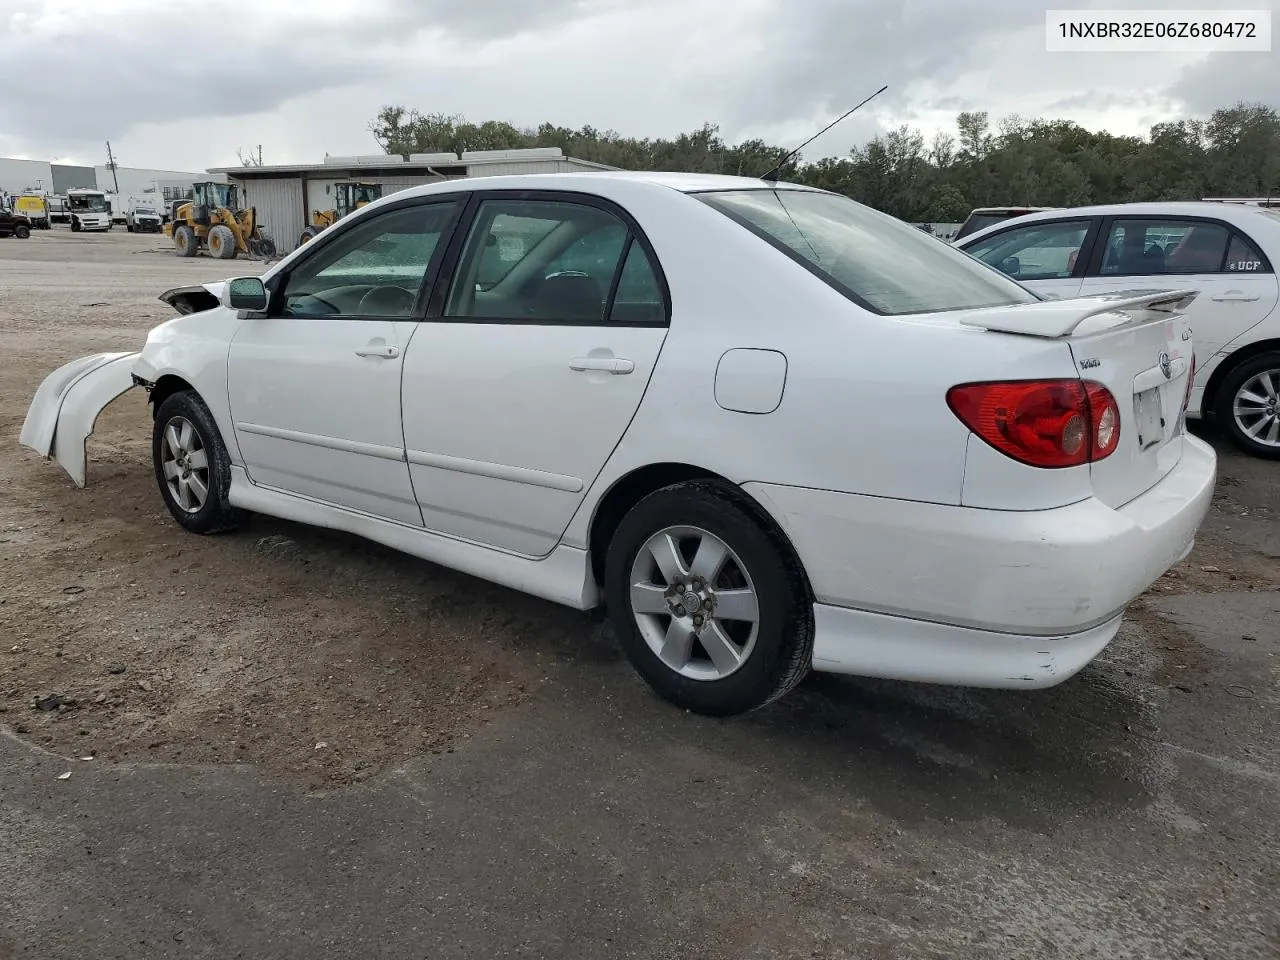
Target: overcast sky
{"x":180,"y":84}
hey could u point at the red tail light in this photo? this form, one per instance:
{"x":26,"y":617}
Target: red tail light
{"x":1044,"y":423}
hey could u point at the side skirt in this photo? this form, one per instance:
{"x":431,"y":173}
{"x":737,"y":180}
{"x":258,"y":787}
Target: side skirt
{"x":563,"y":577}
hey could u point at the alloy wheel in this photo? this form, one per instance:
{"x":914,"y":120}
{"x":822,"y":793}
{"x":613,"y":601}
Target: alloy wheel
{"x":1257,"y":408}
{"x":185,"y":463}
{"x":694,"y":603}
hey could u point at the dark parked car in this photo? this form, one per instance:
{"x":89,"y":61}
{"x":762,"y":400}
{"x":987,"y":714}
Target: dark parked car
{"x":982,"y":217}
{"x":14,"y":225}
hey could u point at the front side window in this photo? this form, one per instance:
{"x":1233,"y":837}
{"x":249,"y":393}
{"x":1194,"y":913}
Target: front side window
{"x":1039,"y":251}
{"x":373,"y":269}
{"x":1164,"y":247}
{"x":881,"y":263}
{"x":542,"y":261}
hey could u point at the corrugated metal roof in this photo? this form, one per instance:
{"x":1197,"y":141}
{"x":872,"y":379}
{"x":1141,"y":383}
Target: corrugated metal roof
{"x":401,"y":167}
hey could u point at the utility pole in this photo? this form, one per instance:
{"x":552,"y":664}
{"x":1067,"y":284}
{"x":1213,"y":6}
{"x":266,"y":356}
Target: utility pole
{"x":259,"y":154}
{"x":111,"y":164}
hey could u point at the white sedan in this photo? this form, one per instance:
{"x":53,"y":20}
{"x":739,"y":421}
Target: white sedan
{"x":770,"y":428}
{"x":1226,"y":251}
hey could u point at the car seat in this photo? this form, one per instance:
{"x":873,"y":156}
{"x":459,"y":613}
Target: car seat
{"x":573,"y":297}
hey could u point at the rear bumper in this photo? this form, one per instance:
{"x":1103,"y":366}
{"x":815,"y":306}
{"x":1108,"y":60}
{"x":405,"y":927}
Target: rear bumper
{"x":896,"y":648}
{"x":1043,"y":573}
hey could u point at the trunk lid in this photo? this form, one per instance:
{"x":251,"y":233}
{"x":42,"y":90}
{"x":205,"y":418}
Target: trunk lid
{"x":1138,"y":344}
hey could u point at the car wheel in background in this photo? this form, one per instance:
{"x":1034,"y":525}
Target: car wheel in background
{"x":192,"y":466}
{"x":1247,"y":407}
{"x":709,"y":606}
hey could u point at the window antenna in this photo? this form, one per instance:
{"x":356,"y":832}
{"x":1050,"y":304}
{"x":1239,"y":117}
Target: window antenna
{"x":772,"y":175}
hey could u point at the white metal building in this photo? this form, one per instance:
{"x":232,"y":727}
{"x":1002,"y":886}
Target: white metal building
{"x":285,"y":196}
{"x":139,"y":180}
{"x":39,"y":176}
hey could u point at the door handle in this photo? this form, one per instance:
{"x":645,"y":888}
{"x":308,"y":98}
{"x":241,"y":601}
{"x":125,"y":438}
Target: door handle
{"x":382,"y":351}
{"x":614,"y":365}
{"x":1234,"y":295}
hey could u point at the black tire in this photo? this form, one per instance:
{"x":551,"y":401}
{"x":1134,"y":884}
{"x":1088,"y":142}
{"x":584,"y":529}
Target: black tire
{"x":222,"y":242}
{"x":185,"y":241}
{"x":21,"y":232}
{"x":215,"y":513}
{"x":75,"y":224}
{"x":1225,"y":404}
{"x":783,"y":647}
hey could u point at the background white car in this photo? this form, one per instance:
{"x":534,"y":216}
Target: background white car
{"x":1226,"y":251}
{"x":770,"y":427}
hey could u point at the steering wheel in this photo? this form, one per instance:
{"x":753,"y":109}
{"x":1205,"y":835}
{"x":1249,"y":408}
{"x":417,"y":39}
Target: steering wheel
{"x":388,"y":301}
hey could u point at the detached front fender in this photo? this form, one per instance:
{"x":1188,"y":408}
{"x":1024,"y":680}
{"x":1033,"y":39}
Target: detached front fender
{"x":66,"y":407}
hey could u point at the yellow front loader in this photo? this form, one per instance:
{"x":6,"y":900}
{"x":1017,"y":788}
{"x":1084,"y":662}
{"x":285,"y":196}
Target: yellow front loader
{"x":213,"y":220}
{"x":348,"y":196}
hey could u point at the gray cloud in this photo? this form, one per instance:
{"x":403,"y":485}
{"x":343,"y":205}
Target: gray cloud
{"x":101,"y":75}
{"x":182,"y":83}
{"x":1223,"y":79}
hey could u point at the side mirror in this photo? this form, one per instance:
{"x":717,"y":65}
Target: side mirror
{"x":1011,"y":266}
{"x":245,"y":293}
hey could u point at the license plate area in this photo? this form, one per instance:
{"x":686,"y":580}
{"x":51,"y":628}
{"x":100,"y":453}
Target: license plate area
{"x":1148,"y":417}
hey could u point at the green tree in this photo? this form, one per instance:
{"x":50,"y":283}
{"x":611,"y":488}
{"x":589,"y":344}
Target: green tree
{"x":1036,"y":161}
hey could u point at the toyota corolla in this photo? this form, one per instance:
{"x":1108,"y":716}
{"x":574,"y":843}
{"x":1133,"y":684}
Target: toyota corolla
{"x":769,"y":428}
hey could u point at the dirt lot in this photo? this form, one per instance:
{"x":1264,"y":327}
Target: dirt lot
{"x":1130,"y":812}
{"x":254,"y":648}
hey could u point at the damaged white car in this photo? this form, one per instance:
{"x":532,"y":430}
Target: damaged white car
{"x":770,"y":428}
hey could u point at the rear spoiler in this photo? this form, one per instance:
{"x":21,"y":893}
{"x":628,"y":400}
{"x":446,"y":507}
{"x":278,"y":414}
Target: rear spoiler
{"x":1063,"y":318}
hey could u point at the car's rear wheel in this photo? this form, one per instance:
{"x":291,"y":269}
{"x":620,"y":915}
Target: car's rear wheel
{"x":709,"y":605}
{"x":1248,"y":405}
{"x":192,"y":466}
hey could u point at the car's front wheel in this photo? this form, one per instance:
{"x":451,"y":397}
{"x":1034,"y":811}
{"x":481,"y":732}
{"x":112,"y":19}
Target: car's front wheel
{"x":185,"y":241}
{"x":1248,"y":405}
{"x":192,"y":466}
{"x":21,"y":232}
{"x":708,"y":604}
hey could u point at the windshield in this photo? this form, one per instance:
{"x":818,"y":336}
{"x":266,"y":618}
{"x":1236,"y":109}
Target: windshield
{"x":879,"y":262}
{"x":93,"y":203}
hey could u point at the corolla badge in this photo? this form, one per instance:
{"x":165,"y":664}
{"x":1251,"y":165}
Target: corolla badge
{"x":1166,"y":365}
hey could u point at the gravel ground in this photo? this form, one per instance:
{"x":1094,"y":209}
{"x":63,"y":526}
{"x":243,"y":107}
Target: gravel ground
{"x":471,"y":772}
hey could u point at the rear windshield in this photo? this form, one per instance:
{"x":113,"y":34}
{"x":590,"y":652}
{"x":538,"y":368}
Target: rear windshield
{"x":879,"y":262}
{"x":980,"y":221}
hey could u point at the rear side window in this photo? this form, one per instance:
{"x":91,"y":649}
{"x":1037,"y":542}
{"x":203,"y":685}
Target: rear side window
{"x":1138,"y":247}
{"x":879,"y":262}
